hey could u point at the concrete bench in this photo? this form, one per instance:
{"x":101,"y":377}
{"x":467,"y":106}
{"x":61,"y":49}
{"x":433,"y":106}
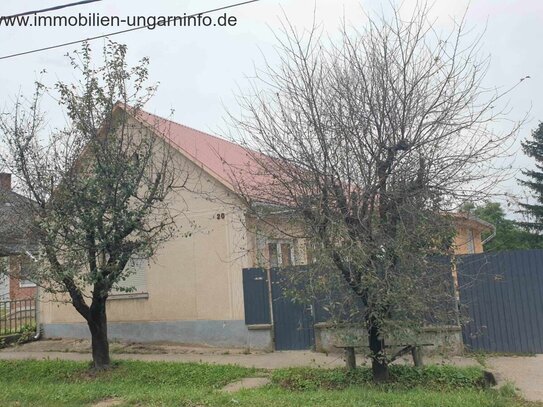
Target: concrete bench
{"x":415,"y":349}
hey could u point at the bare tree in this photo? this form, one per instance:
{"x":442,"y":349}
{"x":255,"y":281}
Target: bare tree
{"x":369,"y":141}
{"x":100,"y":189}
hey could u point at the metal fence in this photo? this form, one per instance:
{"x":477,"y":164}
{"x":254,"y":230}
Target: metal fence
{"x":501,"y":295}
{"x":267,"y":301}
{"x":17,"y":315}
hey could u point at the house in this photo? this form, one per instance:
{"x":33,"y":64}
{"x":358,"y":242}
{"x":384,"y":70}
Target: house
{"x":4,"y":286}
{"x":469,"y":231}
{"x":193,"y":291}
{"x":16,"y":244}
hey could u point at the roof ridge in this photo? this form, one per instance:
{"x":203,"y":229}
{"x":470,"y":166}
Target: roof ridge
{"x":194,"y":129}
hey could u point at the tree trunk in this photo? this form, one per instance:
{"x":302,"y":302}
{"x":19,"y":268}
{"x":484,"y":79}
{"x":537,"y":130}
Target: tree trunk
{"x":98,"y":327}
{"x":379,"y":365}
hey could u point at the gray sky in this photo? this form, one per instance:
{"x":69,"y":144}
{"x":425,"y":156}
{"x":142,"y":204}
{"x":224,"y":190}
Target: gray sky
{"x":199,"y":69}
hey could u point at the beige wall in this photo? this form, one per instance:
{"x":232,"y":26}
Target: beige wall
{"x":199,"y":277}
{"x":191,"y":278}
{"x":462,"y":237}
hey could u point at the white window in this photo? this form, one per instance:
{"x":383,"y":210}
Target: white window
{"x":471,"y":242}
{"x":273,"y":252}
{"x":26,"y":284}
{"x":280,"y":253}
{"x":27,"y":265}
{"x":4,"y":279}
{"x":135,"y":281}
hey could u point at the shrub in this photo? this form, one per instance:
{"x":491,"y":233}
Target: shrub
{"x":26,"y":333}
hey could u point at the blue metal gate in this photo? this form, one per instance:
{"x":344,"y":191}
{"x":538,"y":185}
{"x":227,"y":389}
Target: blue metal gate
{"x":256,"y":296}
{"x":502,"y":295}
{"x":293,"y":324}
{"x":292,"y":321}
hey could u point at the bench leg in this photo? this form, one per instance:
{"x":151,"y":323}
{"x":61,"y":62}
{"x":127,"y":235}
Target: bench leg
{"x":416,"y":352}
{"x":350,"y":358}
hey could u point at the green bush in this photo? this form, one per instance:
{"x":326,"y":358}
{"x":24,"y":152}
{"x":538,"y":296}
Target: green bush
{"x":430,"y":377}
{"x":26,"y":334}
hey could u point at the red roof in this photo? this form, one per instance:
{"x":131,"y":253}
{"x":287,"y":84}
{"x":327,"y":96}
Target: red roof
{"x":231,"y":163}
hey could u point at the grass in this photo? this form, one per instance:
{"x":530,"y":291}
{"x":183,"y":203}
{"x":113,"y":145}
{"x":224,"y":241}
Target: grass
{"x":489,"y":354}
{"x":66,"y":383}
{"x":439,"y":378}
{"x":17,"y":326}
{"x":23,"y":332}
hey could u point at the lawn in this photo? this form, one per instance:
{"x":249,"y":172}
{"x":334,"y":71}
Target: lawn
{"x":64,"y":383}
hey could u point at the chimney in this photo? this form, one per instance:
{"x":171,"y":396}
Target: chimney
{"x":5,"y":181}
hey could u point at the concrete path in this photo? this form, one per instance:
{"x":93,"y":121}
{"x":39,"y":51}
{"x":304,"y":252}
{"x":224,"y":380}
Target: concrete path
{"x":525,"y":372}
{"x":247,"y":383}
{"x":66,"y":349}
{"x":275,"y":360}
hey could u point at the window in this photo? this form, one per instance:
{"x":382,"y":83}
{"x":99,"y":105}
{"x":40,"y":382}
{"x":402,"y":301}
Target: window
{"x":135,"y":281}
{"x":27,"y":268}
{"x":26,"y":284}
{"x":471,"y":242}
{"x":4,"y":279}
{"x":280,"y":254}
{"x":273,"y":252}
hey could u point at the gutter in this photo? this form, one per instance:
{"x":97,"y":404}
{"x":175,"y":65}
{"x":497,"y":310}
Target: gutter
{"x":38,"y":330}
{"x":37,"y":336}
{"x":492,"y":235}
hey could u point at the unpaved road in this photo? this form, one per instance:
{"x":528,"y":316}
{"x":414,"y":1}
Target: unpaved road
{"x":526,"y":372}
{"x":76,"y":349}
{"x":274,"y":360}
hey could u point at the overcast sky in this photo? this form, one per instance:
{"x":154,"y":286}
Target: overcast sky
{"x":199,"y":69}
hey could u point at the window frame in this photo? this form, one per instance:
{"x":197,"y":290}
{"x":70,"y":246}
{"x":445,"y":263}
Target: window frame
{"x":23,"y":281}
{"x":278,"y":243}
{"x":470,"y":245}
{"x":143,"y":293}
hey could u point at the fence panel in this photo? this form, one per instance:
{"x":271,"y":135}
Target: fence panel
{"x":293,"y":321}
{"x":502,"y":295}
{"x":256,"y":296}
{"x":16,"y":315}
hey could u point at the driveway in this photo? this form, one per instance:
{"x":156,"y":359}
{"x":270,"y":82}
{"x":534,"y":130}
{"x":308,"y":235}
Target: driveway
{"x":526,"y":372}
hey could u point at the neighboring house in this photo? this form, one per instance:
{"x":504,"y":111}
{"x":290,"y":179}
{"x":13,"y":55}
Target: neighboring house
{"x":469,"y":230}
{"x":16,"y":244}
{"x":4,"y":287}
{"x":193,"y":291}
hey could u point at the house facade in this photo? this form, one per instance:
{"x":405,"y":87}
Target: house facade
{"x":192,"y":292}
{"x":469,"y":232}
{"x":16,"y":245}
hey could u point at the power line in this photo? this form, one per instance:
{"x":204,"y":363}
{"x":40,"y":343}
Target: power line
{"x":65,"y":44}
{"x":45,"y":10}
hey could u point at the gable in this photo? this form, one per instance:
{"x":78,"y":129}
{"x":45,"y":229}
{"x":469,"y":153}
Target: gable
{"x":223,"y":160}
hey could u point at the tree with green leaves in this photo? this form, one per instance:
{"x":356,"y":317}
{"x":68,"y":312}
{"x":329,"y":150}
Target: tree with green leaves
{"x":534,"y":211}
{"x":100,"y":188}
{"x":509,"y":235}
